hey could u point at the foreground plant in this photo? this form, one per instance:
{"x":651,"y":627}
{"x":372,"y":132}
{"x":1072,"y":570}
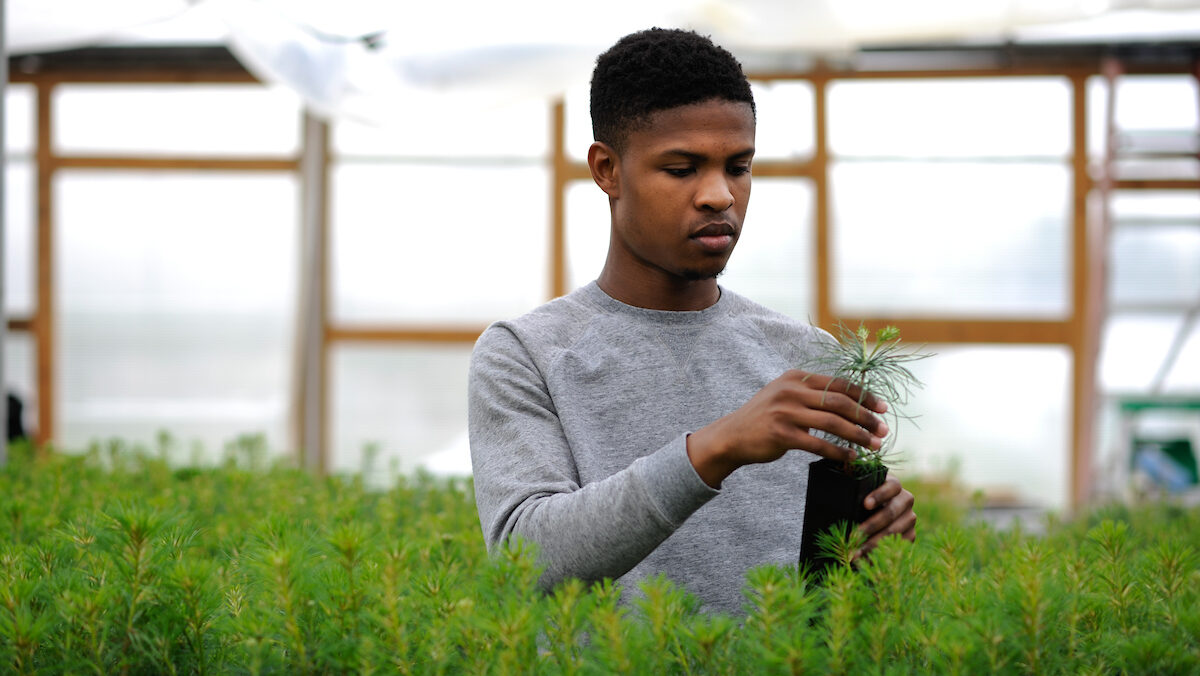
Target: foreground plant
{"x":145,"y":569}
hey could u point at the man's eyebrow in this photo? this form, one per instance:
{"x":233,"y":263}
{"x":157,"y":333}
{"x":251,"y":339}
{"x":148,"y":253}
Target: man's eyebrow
{"x":689,"y":155}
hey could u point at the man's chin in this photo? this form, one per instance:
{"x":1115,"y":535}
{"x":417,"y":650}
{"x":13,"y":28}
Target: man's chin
{"x":701,"y":275}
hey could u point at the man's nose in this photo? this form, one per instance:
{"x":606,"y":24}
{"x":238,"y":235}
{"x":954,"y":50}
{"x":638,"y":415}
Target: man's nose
{"x":714,"y":193}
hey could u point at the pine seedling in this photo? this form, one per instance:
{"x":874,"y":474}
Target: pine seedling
{"x":667,"y":609}
{"x":782,"y":608}
{"x":566,"y":624}
{"x":1111,"y":541}
{"x":842,"y":544}
{"x":876,"y":364}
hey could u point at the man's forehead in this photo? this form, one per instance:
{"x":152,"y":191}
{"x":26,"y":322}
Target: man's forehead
{"x":697,"y":128}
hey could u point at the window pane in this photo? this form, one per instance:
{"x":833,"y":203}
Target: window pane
{"x":784,"y":111}
{"x":1132,"y":350}
{"x":955,"y":239}
{"x":20,"y":352}
{"x":438,"y":243}
{"x":1155,"y":247}
{"x":514,"y":130}
{"x":1001,"y":117}
{"x":409,"y":402}
{"x":1155,"y":265}
{"x":1030,"y":459}
{"x":773,"y":261}
{"x":588,"y":224}
{"x":785,"y":126}
{"x":182,"y":323}
{"x":1185,"y":374}
{"x":20,"y":119}
{"x":577,"y":122}
{"x":162,"y":119}
{"x":1153,"y":113}
{"x":20,"y":252}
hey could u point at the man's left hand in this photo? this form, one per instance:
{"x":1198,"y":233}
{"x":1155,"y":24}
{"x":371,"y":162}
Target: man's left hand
{"x":895,"y":515}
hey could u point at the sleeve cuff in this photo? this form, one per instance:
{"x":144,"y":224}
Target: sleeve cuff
{"x":672,"y":482}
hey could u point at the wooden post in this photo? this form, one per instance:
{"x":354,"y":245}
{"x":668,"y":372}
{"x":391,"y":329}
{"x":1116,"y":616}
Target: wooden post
{"x":823,"y":283}
{"x":43,"y":318}
{"x":558,"y":198}
{"x":310,"y":400}
{"x":1087,"y":284}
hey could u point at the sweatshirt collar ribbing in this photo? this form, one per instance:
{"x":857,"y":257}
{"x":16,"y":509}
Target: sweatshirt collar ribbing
{"x":596,"y":296}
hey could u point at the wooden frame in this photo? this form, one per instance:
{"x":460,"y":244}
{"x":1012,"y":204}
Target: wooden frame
{"x":1078,"y":332}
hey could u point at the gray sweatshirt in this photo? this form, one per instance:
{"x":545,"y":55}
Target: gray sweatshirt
{"x":578,"y":414}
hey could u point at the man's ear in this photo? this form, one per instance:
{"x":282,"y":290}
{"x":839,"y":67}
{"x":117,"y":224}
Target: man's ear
{"x":605,"y":166}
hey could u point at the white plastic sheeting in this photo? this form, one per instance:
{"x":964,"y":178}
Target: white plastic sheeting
{"x":488,"y":53}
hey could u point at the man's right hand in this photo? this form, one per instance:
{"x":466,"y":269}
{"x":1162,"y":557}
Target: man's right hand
{"x":785,"y":415}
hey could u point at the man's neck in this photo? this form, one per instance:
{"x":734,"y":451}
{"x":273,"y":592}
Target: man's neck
{"x":673,"y":295}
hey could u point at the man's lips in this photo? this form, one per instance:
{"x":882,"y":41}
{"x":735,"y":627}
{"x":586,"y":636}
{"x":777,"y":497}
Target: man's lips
{"x":716,"y":237}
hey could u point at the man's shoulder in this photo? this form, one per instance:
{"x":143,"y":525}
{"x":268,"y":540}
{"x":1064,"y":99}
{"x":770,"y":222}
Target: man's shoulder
{"x":773,"y":322}
{"x":555,"y":322}
{"x":798,"y":340}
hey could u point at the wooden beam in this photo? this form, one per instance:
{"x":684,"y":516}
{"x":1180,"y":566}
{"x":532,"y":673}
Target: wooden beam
{"x":405,"y":334}
{"x":149,"y":76}
{"x":1156,"y":184}
{"x":785,"y":169}
{"x":978,"y":331}
{"x":20,"y":324}
{"x":184,"y":163}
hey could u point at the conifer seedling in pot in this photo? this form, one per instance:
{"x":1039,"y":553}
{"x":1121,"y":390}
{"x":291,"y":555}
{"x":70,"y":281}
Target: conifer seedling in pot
{"x":877,"y":364}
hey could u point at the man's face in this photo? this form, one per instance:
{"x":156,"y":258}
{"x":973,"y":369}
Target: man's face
{"x":681,"y":195}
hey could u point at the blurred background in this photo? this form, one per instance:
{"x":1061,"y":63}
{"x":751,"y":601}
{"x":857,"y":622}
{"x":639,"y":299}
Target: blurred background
{"x":293,"y":219}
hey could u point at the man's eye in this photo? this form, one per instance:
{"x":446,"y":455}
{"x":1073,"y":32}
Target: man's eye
{"x":739,"y":169}
{"x":679,"y":171}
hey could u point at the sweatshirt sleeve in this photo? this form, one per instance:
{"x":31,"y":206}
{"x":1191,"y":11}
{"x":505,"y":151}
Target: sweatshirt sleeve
{"x":527,"y":485}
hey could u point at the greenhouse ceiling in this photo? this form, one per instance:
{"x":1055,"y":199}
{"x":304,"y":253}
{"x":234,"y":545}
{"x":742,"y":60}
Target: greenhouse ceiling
{"x":361,"y":57}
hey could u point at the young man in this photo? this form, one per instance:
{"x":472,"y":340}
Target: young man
{"x":652,"y":421}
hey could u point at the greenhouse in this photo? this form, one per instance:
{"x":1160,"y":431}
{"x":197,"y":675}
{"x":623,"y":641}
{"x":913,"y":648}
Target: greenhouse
{"x":251,"y":246}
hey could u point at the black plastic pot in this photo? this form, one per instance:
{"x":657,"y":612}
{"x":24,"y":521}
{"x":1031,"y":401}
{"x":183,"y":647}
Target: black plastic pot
{"x":833,"y":497}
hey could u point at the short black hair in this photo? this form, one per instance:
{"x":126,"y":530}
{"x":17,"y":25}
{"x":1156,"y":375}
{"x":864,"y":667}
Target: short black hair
{"x":656,"y":69}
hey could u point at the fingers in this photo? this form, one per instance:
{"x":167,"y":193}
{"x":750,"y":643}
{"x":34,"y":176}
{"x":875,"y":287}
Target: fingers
{"x":807,"y":406}
{"x":895,"y":517}
{"x":890,"y":489}
{"x":843,"y":387}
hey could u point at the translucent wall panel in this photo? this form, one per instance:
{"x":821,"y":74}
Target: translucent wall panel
{"x":784,"y":112}
{"x":588,"y":224}
{"x":176,"y":304}
{"x":20,"y":119}
{"x":1165,"y":106}
{"x":773,"y":261}
{"x":1132,"y":350}
{"x":408,"y":403}
{"x":20,"y":252}
{"x":938,"y":239}
{"x":1156,"y":265}
{"x":160,"y":119}
{"x":978,"y":416}
{"x":991,"y":117}
{"x":425,"y":243}
{"x":20,"y":354}
{"x":578,"y":122}
{"x":514,"y":130}
{"x":785,"y":124}
{"x":1184,"y":376}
